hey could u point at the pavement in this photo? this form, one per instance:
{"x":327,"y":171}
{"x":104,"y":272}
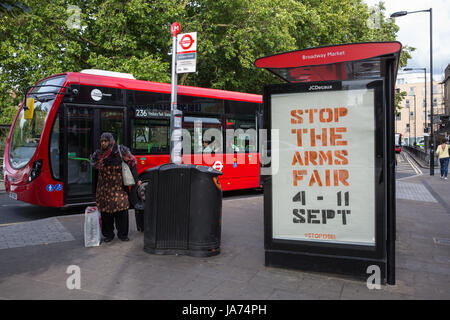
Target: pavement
{"x":38,"y":259}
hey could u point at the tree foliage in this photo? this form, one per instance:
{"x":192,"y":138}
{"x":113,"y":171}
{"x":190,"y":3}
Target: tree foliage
{"x":11,"y":7}
{"x":133,"y":36}
{"x":399,"y":97}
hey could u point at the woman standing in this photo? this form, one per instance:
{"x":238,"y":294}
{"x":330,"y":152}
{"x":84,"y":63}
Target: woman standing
{"x":443,"y":154}
{"x":111,"y":195}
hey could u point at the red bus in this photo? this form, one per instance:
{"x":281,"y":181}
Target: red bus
{"x":398,"y":142}
{"x":46,"y":159}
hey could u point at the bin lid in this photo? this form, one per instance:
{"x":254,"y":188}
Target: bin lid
{"x":182,"y":166}
{"x":340,"y":62}
{"x":209,"y":170}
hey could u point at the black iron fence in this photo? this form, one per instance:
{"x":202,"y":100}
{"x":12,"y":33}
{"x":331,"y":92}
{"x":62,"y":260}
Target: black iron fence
{"x":420,"y":154}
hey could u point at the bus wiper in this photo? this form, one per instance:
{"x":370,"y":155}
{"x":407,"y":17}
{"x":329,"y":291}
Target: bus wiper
{"x":45,"y":98}
{"x":48,"y":97}
{"x":31,"y":88}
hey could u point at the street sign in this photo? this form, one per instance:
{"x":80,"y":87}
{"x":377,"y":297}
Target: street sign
{"x":186,"y":42}
{"x":187,"y":52}
{"x":175,"y":29}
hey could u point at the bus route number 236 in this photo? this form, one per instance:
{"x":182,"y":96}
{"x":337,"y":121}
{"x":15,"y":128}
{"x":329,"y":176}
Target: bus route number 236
{"x":141,"y":113}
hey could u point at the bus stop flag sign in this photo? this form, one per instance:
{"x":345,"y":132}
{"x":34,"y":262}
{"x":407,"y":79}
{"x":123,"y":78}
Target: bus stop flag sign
{"x":187,"y":52}
{"x":175,"y":29}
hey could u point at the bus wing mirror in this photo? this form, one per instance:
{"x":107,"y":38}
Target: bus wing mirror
{"x":29,"y":111}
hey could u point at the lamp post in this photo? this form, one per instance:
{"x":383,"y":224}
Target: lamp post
{"x":404,"y":13}
{"x":409,"y":124}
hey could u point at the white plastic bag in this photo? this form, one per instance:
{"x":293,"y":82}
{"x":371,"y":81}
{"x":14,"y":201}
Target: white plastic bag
{"x":92,"y":235}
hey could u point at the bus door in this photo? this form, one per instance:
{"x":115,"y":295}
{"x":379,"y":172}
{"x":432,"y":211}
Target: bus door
{"x":84,"y":125}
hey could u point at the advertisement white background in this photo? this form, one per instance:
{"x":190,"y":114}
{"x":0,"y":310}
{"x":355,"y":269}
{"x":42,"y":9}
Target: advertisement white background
{"x":360,"y":227}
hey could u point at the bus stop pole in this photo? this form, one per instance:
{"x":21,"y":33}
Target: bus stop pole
{"x":175,"y":114}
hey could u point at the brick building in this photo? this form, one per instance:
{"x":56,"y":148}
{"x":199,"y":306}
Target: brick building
{"x":445,"y":123}
{"x":410,"y":121}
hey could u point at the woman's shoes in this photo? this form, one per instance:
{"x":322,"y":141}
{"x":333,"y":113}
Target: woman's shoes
{"x":111,"y":239}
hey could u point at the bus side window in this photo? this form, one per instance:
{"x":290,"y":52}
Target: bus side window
{"x":150,"y":136}
{"x":242,"y":134}
{"x":54,"y":149}
{"x":211,"y":131}
{"x":159,"y":136}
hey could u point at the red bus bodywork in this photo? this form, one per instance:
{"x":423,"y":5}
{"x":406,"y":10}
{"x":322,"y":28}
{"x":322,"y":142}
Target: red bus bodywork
{"x":398,"y":142}
{"x":235,"y":176}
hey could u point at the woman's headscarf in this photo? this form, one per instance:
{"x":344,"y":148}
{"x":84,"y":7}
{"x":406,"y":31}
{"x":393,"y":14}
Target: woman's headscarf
{"x":109,"y":137}
{"x":111,"y":156}
{"x":100,"y":155}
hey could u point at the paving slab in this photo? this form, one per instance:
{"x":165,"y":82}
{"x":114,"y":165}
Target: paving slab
{"x":38,"y":269}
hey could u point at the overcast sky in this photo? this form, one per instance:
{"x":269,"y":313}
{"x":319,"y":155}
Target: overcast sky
{"x":415,"y":31}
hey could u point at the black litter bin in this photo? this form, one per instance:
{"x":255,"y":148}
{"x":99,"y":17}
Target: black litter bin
{"x":183,"y":210}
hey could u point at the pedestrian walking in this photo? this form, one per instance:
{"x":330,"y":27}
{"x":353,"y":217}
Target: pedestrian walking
{"x":443,"y":154}
{"x":111,"y":194}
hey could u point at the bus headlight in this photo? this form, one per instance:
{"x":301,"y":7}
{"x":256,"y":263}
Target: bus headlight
{"x":35,"y":170}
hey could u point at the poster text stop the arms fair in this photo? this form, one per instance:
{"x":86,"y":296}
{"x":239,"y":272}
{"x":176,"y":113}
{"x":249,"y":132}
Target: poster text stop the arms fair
{"x":326,"y":169}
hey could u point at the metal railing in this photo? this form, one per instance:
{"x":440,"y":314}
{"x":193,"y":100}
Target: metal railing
{"x":420,"y":154}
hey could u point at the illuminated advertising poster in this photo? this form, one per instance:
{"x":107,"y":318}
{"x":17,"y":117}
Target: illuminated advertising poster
{"x":324,"y":189}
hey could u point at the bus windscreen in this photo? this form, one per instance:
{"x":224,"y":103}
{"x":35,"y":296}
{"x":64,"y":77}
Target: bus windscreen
{"x":26,"y":133}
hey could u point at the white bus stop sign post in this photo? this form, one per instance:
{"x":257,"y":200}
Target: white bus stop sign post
{"x":175,"y":115}
{"x":187,"y":52}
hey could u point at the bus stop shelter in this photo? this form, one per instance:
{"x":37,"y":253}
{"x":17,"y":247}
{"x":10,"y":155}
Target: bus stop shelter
{"x":329,"y":202}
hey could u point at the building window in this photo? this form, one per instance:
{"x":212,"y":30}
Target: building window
{"x":435,"y":89}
